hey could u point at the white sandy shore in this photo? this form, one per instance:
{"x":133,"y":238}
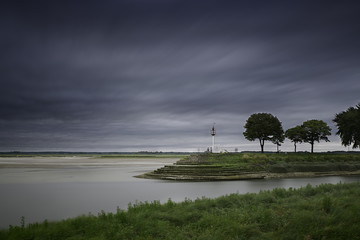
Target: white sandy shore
{"x":66,"y":162}
{"x":76,"y":169}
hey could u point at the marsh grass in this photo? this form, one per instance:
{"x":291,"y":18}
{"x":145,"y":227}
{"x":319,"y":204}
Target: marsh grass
{"x":323,"y":212}
{"x":270,"y":158}
{"x":276,"y":163}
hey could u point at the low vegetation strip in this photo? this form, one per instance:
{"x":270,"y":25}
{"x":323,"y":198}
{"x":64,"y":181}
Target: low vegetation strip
{"x":323,"y":212}
{"x":237,"y":166}
{"x":268,"y":158}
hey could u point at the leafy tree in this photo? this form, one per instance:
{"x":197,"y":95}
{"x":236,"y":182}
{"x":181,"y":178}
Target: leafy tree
{"x":295,"y":134}
{"x":348,"y":124}
{"x":265,"y":127}
{"x":315,"y":130}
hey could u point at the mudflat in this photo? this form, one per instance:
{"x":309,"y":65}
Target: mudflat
{"x":77,"y":161}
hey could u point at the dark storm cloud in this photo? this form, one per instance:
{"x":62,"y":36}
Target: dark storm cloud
{"x":152,"y":74}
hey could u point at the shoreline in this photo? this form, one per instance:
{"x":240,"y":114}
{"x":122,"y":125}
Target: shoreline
{"x":247,"y":176}
{"x":227,"y":167}
{"x":74,"y":162}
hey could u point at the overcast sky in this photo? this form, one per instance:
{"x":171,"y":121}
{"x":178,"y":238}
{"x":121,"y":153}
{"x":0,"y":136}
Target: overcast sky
{"x":155,"y":75}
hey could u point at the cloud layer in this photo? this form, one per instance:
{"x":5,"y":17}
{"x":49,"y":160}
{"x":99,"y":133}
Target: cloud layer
{"x":155,"y":75}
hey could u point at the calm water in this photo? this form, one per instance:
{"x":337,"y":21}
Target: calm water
{"x":61,"y":191}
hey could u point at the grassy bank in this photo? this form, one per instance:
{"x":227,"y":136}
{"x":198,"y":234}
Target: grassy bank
{"x":268,"y":158}
{"x":323,"y":212}
{"x":236,"y":166}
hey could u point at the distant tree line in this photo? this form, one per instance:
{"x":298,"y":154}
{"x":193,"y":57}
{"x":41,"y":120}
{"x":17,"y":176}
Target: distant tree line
{"x":266,"y":127}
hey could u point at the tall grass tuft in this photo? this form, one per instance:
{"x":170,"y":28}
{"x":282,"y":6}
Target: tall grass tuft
{"x":323,"y":212}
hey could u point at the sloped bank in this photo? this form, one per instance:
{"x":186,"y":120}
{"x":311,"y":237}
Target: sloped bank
{"x":242,"y":166}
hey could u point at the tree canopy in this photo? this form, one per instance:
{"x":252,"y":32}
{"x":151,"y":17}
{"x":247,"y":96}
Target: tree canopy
{"x":265,"y":127}
{"x":348,"y":124}
{"x":295,"y":134}
{"x":314,"y":131}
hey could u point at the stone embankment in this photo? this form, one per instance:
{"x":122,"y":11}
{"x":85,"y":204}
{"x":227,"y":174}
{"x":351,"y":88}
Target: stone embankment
{"x":197,"y":168}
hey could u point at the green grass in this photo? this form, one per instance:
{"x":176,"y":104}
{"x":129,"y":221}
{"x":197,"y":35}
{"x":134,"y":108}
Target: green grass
{"x":269,"y":158}
{"x":273,"y":162}
{"x":323,"y":212}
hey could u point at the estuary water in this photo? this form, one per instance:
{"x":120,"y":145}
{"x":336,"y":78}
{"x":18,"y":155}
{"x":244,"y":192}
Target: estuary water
{"x":62,"y":187}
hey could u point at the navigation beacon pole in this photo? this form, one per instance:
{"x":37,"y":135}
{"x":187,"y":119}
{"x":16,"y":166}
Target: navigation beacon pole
{"x":213,"y":138}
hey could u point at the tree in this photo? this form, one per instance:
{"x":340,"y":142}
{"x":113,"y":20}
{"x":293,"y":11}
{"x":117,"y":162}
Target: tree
{"x":295,"y":134}
{"x":315,"y":130}
{"x":348,"y":124}
{"x":265,"y":127}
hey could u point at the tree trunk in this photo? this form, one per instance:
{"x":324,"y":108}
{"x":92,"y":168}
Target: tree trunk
{"x":312,"y":147}
{"x":295,"y":147}
{"x":262,"y":145}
